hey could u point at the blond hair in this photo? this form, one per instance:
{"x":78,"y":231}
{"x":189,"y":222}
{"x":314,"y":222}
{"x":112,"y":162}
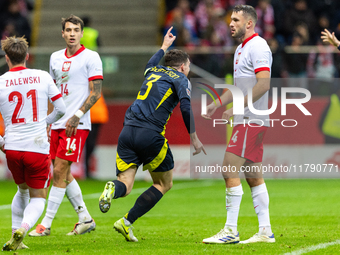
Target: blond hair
{"x":15,"y":48}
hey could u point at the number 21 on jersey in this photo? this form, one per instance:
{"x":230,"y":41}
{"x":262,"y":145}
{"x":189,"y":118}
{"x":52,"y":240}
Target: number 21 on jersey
{"x":17,"y":97}
{"x":153,"y":78}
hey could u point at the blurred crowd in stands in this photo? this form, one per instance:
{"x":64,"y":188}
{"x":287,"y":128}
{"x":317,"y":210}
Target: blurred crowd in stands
{"x":282,"y":23}
{"x":204,"y":24}
{"x":14,"y":18}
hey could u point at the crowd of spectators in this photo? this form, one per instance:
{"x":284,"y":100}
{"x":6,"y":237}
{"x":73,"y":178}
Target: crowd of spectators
{"x":282,"y":23}
{"x":205,"y":23}
{"x":14,"y":18}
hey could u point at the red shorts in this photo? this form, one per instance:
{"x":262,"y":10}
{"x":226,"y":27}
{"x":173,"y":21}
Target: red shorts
{"x":247,"y":142}
{"x":30,"y":167}
{"x":68,"y":148}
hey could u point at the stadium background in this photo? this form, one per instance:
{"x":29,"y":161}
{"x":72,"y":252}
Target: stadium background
{"x":131,"y":31}
{"x":304,"y":212}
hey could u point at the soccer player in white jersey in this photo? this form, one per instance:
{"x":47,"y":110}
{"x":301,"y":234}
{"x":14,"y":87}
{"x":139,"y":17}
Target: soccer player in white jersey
{"x":23,"y":104}
{"x":78,"y":74}
{"x":252,"y":63}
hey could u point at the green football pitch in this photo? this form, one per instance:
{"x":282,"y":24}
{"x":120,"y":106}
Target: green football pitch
{"x":304,"y":217}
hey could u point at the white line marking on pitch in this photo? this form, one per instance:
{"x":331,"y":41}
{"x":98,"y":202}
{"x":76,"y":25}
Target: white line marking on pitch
{"x":3,"y":207}
{"x":180,"y":186}
{"x":313,"y":248}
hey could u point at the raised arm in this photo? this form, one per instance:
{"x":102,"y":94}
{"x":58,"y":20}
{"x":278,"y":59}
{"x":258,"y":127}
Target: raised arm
{"x":328,"y":37}
{"x":169,"y":38}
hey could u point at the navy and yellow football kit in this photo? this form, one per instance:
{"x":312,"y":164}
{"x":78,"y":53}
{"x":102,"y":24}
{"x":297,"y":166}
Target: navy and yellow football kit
{"x":142,"y":139}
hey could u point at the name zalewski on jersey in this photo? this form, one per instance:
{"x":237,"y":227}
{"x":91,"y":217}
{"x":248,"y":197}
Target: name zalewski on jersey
{"x":24,"y":95}
{"x":22,"y":81}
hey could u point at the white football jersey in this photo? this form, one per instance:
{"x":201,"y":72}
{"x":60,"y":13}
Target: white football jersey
{"x":72,"y":76}
{"x":251,"y":57}
{"x":24,"y":95}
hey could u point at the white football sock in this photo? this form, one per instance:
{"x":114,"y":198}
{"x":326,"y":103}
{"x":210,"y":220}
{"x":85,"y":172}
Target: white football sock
{"x":54,"y":200}
{"x":73,"y":193}
{"x":233,"y":201}
{"x":261,"y":206}
{"x":19,"y":203}
{"x":33,"y":212}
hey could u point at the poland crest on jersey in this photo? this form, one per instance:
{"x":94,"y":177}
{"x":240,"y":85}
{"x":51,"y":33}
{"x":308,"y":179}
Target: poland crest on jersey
{"x":66,"y":66}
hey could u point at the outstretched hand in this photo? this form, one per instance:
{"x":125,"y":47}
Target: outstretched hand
{"x":198,"y":146}
{"x":328,"y":37}
{"x":211,"y":108}
{"x":169,"y":38}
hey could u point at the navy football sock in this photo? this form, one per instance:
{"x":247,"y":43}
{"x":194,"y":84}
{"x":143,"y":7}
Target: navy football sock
{"x":144,"y":203}
{"x":120,"y":189}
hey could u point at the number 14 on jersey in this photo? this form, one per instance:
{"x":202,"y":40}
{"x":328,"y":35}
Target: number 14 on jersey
{"x":63,"y":89}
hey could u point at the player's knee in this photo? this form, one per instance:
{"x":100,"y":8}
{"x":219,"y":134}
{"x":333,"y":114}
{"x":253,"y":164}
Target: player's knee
{"x":167,"y":186}
{"x":59,"y":175}
{"x":170,"y":185}
{"x":253,"y":182}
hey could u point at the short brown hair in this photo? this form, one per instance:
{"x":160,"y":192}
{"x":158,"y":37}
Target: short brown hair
{"x":175,"y":58}
{"x":15,"y":48}
{"x":73,"y":19}
{"x":247,"y":10}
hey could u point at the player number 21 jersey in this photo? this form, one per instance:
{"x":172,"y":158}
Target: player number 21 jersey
{"x":24,"y":94}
